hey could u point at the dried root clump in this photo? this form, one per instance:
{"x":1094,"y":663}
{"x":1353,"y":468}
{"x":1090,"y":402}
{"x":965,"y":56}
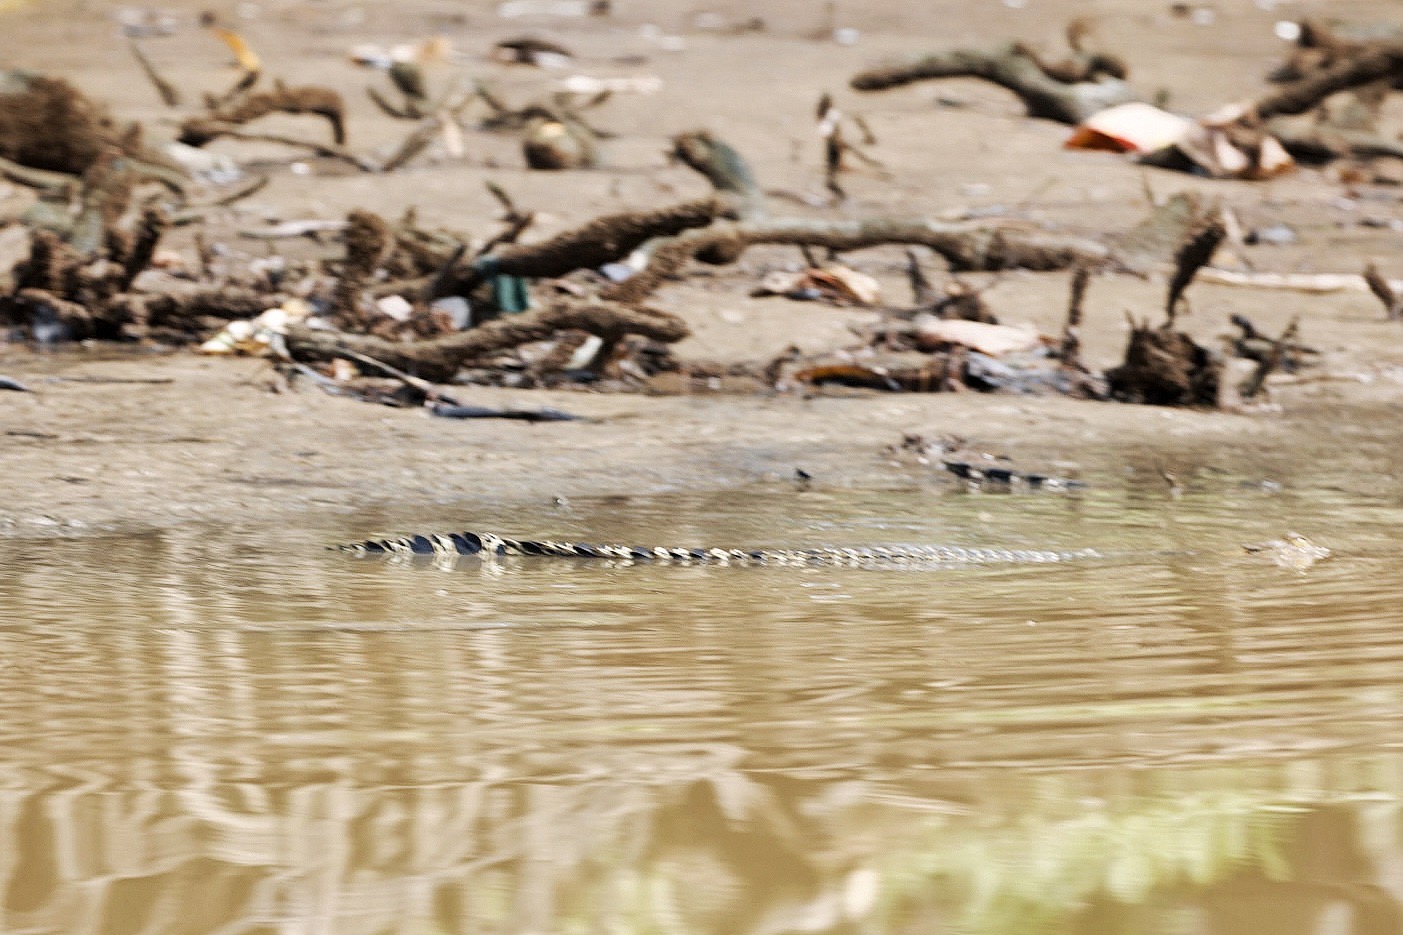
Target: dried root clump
{"x":1165,"y":367}
{"x":46,"y":123}
{"x":90,"y":286}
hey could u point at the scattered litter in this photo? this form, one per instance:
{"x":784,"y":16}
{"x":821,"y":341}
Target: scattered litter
{"x":1276,"y":235}
{"x":516,"y":9}
{"x":258,"y":336}
{"x":835,"y":283}
{"x":457,"y":308}
{"x":371,"y":55}
{"x":995,"y":340}
{"x":142,"y":23}
{"x":285,"y":229}
{"x":532,"y":50}
{"x":211,"y":167}
{"x":1210,"y":146}
{"x":589,"y":84}
{"x":1297,"y":282}
{"x":394,"y":306}
{"x":1129,"y":128}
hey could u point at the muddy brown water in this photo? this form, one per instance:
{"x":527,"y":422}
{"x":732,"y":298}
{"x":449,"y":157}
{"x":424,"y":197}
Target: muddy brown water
{"x":234,"y":730}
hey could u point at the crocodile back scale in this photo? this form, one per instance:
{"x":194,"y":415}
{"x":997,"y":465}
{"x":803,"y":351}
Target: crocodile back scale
{"x":489,"y":545}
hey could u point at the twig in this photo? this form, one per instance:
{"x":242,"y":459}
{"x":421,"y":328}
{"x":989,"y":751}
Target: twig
{"x":509,"y":208}
{"x":1272,"y":360}
{"x":543,"y":414}
{"x":430,"y":392}
{"x":922,"y":292}
{"x":170,"y":96}
{"x":1368,"y":65}
{"x":410,"y":112}
{"x":1193,"y":254}
{"x":1392,"y":301}
{"x":1070,"y":351}
{"x":415,"y":143}
{"x":330,"y":150}
{"x":42,"y":179}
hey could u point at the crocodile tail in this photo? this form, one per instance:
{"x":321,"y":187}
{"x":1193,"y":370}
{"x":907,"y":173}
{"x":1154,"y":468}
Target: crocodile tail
{"x":458,"y":543}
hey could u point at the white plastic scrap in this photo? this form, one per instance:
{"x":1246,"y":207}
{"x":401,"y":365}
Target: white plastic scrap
{"x":256,"y":337}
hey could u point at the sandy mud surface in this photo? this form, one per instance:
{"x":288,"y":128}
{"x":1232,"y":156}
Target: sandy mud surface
{"x":121,"y":441}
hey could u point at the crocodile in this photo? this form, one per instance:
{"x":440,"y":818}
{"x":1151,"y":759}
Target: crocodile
{"x":489,"y":546}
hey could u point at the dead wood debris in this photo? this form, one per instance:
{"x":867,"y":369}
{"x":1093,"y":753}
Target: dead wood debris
{"x":1164,"y":366}
{"x":1068,"y":92}
{"x":1271,"y":360}
{"x":49,"y":129}
{"x":170,"y":95}
{"x":410,"y":305}
{"x":604,"y":240}
{"x":837,"y":148}
{"x":555,"y":133}
{"x":1193,"y":255}
{"x":321,"y":102}
{"x":440,"y":358}
{"x":1384,"y":292}
{"x":965,"y":247}
{"x":1092,"y":80}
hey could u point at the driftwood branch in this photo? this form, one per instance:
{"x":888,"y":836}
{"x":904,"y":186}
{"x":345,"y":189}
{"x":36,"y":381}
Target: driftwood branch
{"x":965,"y":248}
{"x":1015,"y":68}
{"x":438,"y":359}
{"x":170,"y":95}
{"x":606,"y":239}
{"x":322,"y":102}
{"x":41,"y":179}
{"x":1368,"y":65}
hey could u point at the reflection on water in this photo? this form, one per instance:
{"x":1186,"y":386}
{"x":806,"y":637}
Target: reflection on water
{"x":201,"y":735}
